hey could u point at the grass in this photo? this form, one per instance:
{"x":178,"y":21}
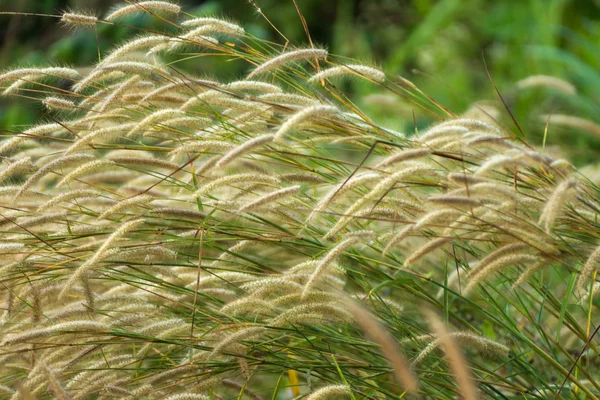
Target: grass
{"x":168,"y":235}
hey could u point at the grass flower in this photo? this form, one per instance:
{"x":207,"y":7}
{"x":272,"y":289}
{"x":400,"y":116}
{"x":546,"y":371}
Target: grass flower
{"x":145,"y":6}
{"x":78,"y":19}
{"x":296,"y":55}
{"x":360,"y":70}
{"x":547,"y":81}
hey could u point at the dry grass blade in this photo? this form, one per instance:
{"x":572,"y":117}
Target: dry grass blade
{"x":455,"y":357}
{"x":387,"y":343}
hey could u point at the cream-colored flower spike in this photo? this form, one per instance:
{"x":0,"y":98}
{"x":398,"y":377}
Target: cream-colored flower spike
{"x":145,"y":6}
{"x":547,"y":81}
{"x":351,"y":69}
{"x":78,"y":19}
{"x":556,"y":203}
{"x":330,"y":391}
{"x":100,"y":253}
{"x":282,"y":59}
{"x":307,"y":114}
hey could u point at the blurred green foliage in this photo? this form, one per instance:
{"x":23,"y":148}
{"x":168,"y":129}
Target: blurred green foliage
{"x":439,"y":45}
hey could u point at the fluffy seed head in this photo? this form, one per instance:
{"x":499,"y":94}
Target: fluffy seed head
{"x":547,"y":81}
{"x":269,"y":198}
{"x":328,"y":392}
{"x":588,"y":269}
{"x":282,"y":59}
{"x":125,"y":204}
{"x":294,"y":121}
{"x":78,"y":19}
{"x":92,"y":262}
{"x":145,"y":6}
{"x":555,"y":204}
{"x":57,"y":103}
{"x":243,"y":148}
{"x":351,"y":69}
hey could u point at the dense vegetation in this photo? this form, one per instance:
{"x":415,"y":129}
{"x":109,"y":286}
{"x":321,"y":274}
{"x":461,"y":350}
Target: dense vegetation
{"x":215,"y":212}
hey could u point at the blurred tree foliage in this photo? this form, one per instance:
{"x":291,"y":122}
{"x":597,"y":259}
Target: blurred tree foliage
{"x":439,"y":45}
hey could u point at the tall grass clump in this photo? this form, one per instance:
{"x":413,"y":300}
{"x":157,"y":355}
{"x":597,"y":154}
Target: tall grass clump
{"x":172,"y":236}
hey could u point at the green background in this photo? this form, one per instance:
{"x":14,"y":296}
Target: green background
{"x":439,"y":45}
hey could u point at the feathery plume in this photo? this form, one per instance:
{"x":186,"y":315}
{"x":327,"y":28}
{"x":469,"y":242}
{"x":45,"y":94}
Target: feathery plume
{"x":78,"y":19}
{"x":10,"y":144}
{"x":343,"y":187}
{"x":454,"y":201}
{"x":145,"y":6}
{"x":256,"y":86}
{"x":529,"y":271}
{"x":84,"y":169}
{"x":485,"y":347}
{"x":15,"y":167}
{"x":547,"y":81}
{"x":199,"y":33}
{"x":445,"y":131}
{"x":35,"y":73}
{"x":223,"y":26}
{"x":437,"y":217}
{"x":288,"y":99}
{"x":269,"y":198}
{"x":236,"y":179}
{"x":155,"y":118}
{"x":404,"y":155}
{"x":42,"y":220}
{"x":496,"y":264}
{"x":378,"y":191}
{"x":572,"y":122}
{"x":328,"y":392}
{"x":117,"y":92}
{"x":57,"y":103}
{"x":116,"y":70}
{"x":555,"y":204}
{"x":71,"y":195}
{"x":268,"y":286}
{"x":500,"y":160}
{"x":588,"y":269}
{"x":331,"y":256}
{"x":186,"y":86}
{"x":202,"y":145}
{"x":508,"y":249}
{"x":59,"y":392}
{"x":100,"y":254}
{"x":296,"y":55}
{"x":134,"y":45}
{"x":312,"y":313}
{"x":350,"y":69}
{"x":144,"y":161}
{"x":246,"y":305}
{"x":10,"y":247}
{"x":103,"y":134}
{"x":126,"y":203}
{"x":55,"y":164}
{"x":58,"y":329}
{"x":426,"y":249}
{"x":302,"y":177}
{"x":179,"y":213}
{"x":187,"y":396}
{"x":235,"y":339}
{"x":295,"y":120}
{"x":243,"y":148}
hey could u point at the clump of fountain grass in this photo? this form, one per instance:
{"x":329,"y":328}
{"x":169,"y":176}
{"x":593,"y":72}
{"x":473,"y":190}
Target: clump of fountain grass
{"x":167,"y":236}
